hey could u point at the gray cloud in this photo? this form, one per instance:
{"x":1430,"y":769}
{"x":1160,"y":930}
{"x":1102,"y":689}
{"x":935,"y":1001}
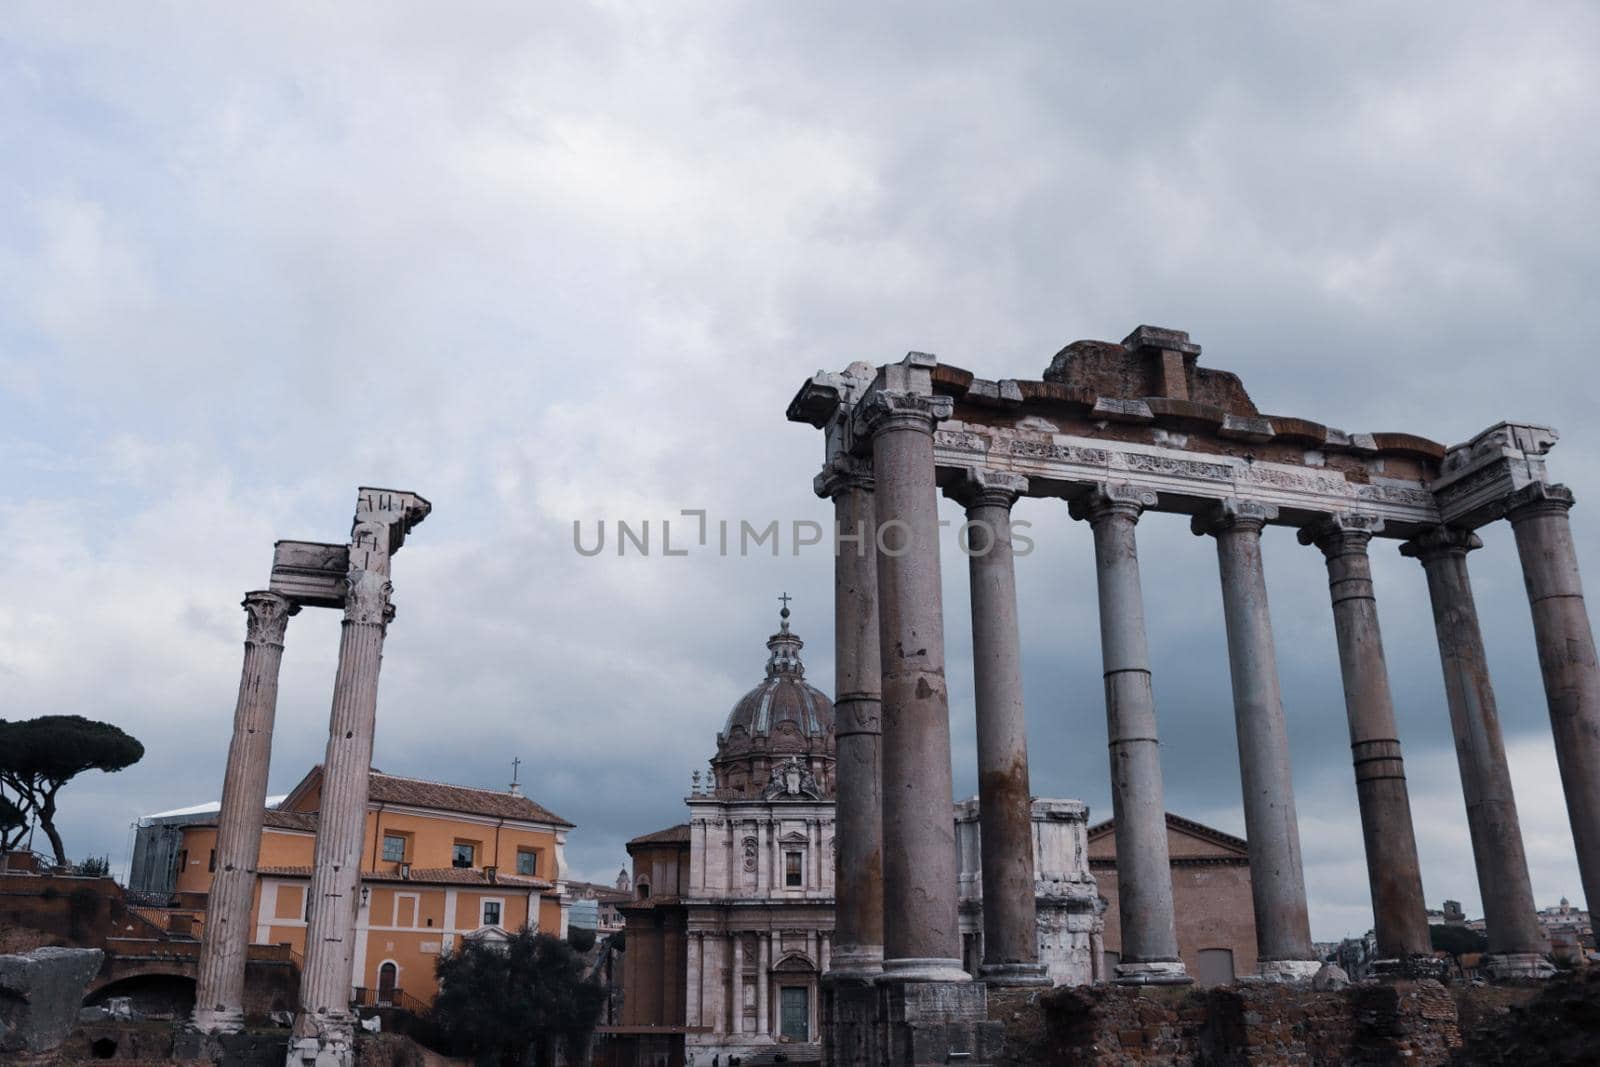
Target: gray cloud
{"x":570,"y":263}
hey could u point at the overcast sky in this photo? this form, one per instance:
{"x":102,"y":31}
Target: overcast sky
{"x":552,"y":263}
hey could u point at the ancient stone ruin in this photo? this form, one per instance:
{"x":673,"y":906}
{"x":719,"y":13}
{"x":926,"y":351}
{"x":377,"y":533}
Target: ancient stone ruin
{"x":1115,"y":431}
{"x":353,"y":577}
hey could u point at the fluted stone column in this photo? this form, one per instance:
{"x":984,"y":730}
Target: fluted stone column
{"x":325,"y":987}
{"x":1005,"y":802}
{"x":1138,"y":806}
{"x":219,"y":992}
{"x":858,"y":723}
{"x":1561,"y":628}
{"x":921,"y":933}
{"x":1516,"y":942}
{"x":1277,"y":880}
{"x":1394,"y":874}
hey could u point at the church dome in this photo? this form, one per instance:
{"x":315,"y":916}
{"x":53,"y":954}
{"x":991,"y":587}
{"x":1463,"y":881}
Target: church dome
{"x":783,"y":717}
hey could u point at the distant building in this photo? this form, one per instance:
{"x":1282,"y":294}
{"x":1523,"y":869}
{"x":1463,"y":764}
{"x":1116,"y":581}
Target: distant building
{"x":1210,"y":895}
{"x":731,"y":923}
{"x":158,"y":838}
{"x":1450,"y":915}
{"x":1570,"y":931}
{"x":440,"y":864}
{"x":1067,"y":901}
{"x":594,"y":906}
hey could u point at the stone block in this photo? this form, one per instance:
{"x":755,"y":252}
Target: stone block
{"x":40,"y":994}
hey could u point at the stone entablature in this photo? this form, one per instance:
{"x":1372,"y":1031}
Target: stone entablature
{"x":1081,"y":431}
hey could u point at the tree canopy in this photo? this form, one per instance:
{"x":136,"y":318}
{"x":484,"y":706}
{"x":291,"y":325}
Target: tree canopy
{"x":514,"y":1002}
{"x":39,"y":756}
{"x":13,"y":823}
{"x":1456,"y":940}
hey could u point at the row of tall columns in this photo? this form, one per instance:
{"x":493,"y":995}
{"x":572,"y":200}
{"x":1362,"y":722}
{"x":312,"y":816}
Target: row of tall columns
{"x":219,"y":989}
{"x":913,"y":838}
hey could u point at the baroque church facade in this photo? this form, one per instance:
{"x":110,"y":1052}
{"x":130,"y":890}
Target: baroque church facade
{"x":731,"y":924}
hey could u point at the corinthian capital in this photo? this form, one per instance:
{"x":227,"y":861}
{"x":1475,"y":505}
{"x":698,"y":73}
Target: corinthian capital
{"x":267,"y":617}
{"x":1345,"y":534}
{"x":1439,"y":542}
{"x":884,"y":410}
{"x":1112,"y":499}
{"x":1233,"y":514}
{"x":980,"y":487}
{"x":1538,"y":498}
{"x":366,"y":597}
{"x":841,"y":474}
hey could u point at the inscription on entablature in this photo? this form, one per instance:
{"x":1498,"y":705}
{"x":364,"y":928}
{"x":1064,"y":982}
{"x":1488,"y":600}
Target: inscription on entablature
{"x":1188,"y":468}
{"x":961,"y":441}
{"x":1305,"y":482}
{"x":1050,"y":450}
{"x":1394,"y":494}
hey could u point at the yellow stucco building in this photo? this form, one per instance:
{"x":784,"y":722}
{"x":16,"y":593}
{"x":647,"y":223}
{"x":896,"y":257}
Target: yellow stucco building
{"x":439,"y":863}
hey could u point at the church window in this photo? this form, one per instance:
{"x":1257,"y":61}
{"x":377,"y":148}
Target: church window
{"x":491,"y":913}
{"x":527,"y":861}
{"x":394,"y":848}
{"x":791,"y":869}
{"x":463,"y":853}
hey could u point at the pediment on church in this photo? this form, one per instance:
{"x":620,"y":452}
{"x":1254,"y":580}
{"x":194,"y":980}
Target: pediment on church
{"x":794,"y":837}
{"x":794,"y":963}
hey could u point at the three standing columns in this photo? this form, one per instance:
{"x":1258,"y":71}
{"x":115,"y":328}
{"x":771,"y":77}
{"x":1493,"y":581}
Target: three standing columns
{"x":1538,"y":517}
{"x":921,"y":932}
{"x":1138,"y":805}
{"x":858,"y":873}
{"x":1005,"y":802}
{"x":336,"y":874}
{"x":1394,"y":874}
{"x":1277,"y":880}
{"x":219,"y":992}
{"x":1516,"y":942}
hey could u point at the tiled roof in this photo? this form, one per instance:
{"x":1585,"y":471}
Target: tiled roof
{"x":1189,"y":826}
{"x":393,"y":789}
{"x":597,"y":891}
{"x":426,"y":875}
{"x":672,"y":835}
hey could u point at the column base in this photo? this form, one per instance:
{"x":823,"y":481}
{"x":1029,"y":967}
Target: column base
{"x":1510,"y":966}
{"x":217,"y":1020}
{"x":1152,"y":972}
{"x":322,"y":1041}
{"x":924,"y":969}
{"x":860,"y":962}
{"x":1288,"y":970}
{"x":1409,"y":967}
{"x":931,"y":1024}
{"x":1013,"y":974}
